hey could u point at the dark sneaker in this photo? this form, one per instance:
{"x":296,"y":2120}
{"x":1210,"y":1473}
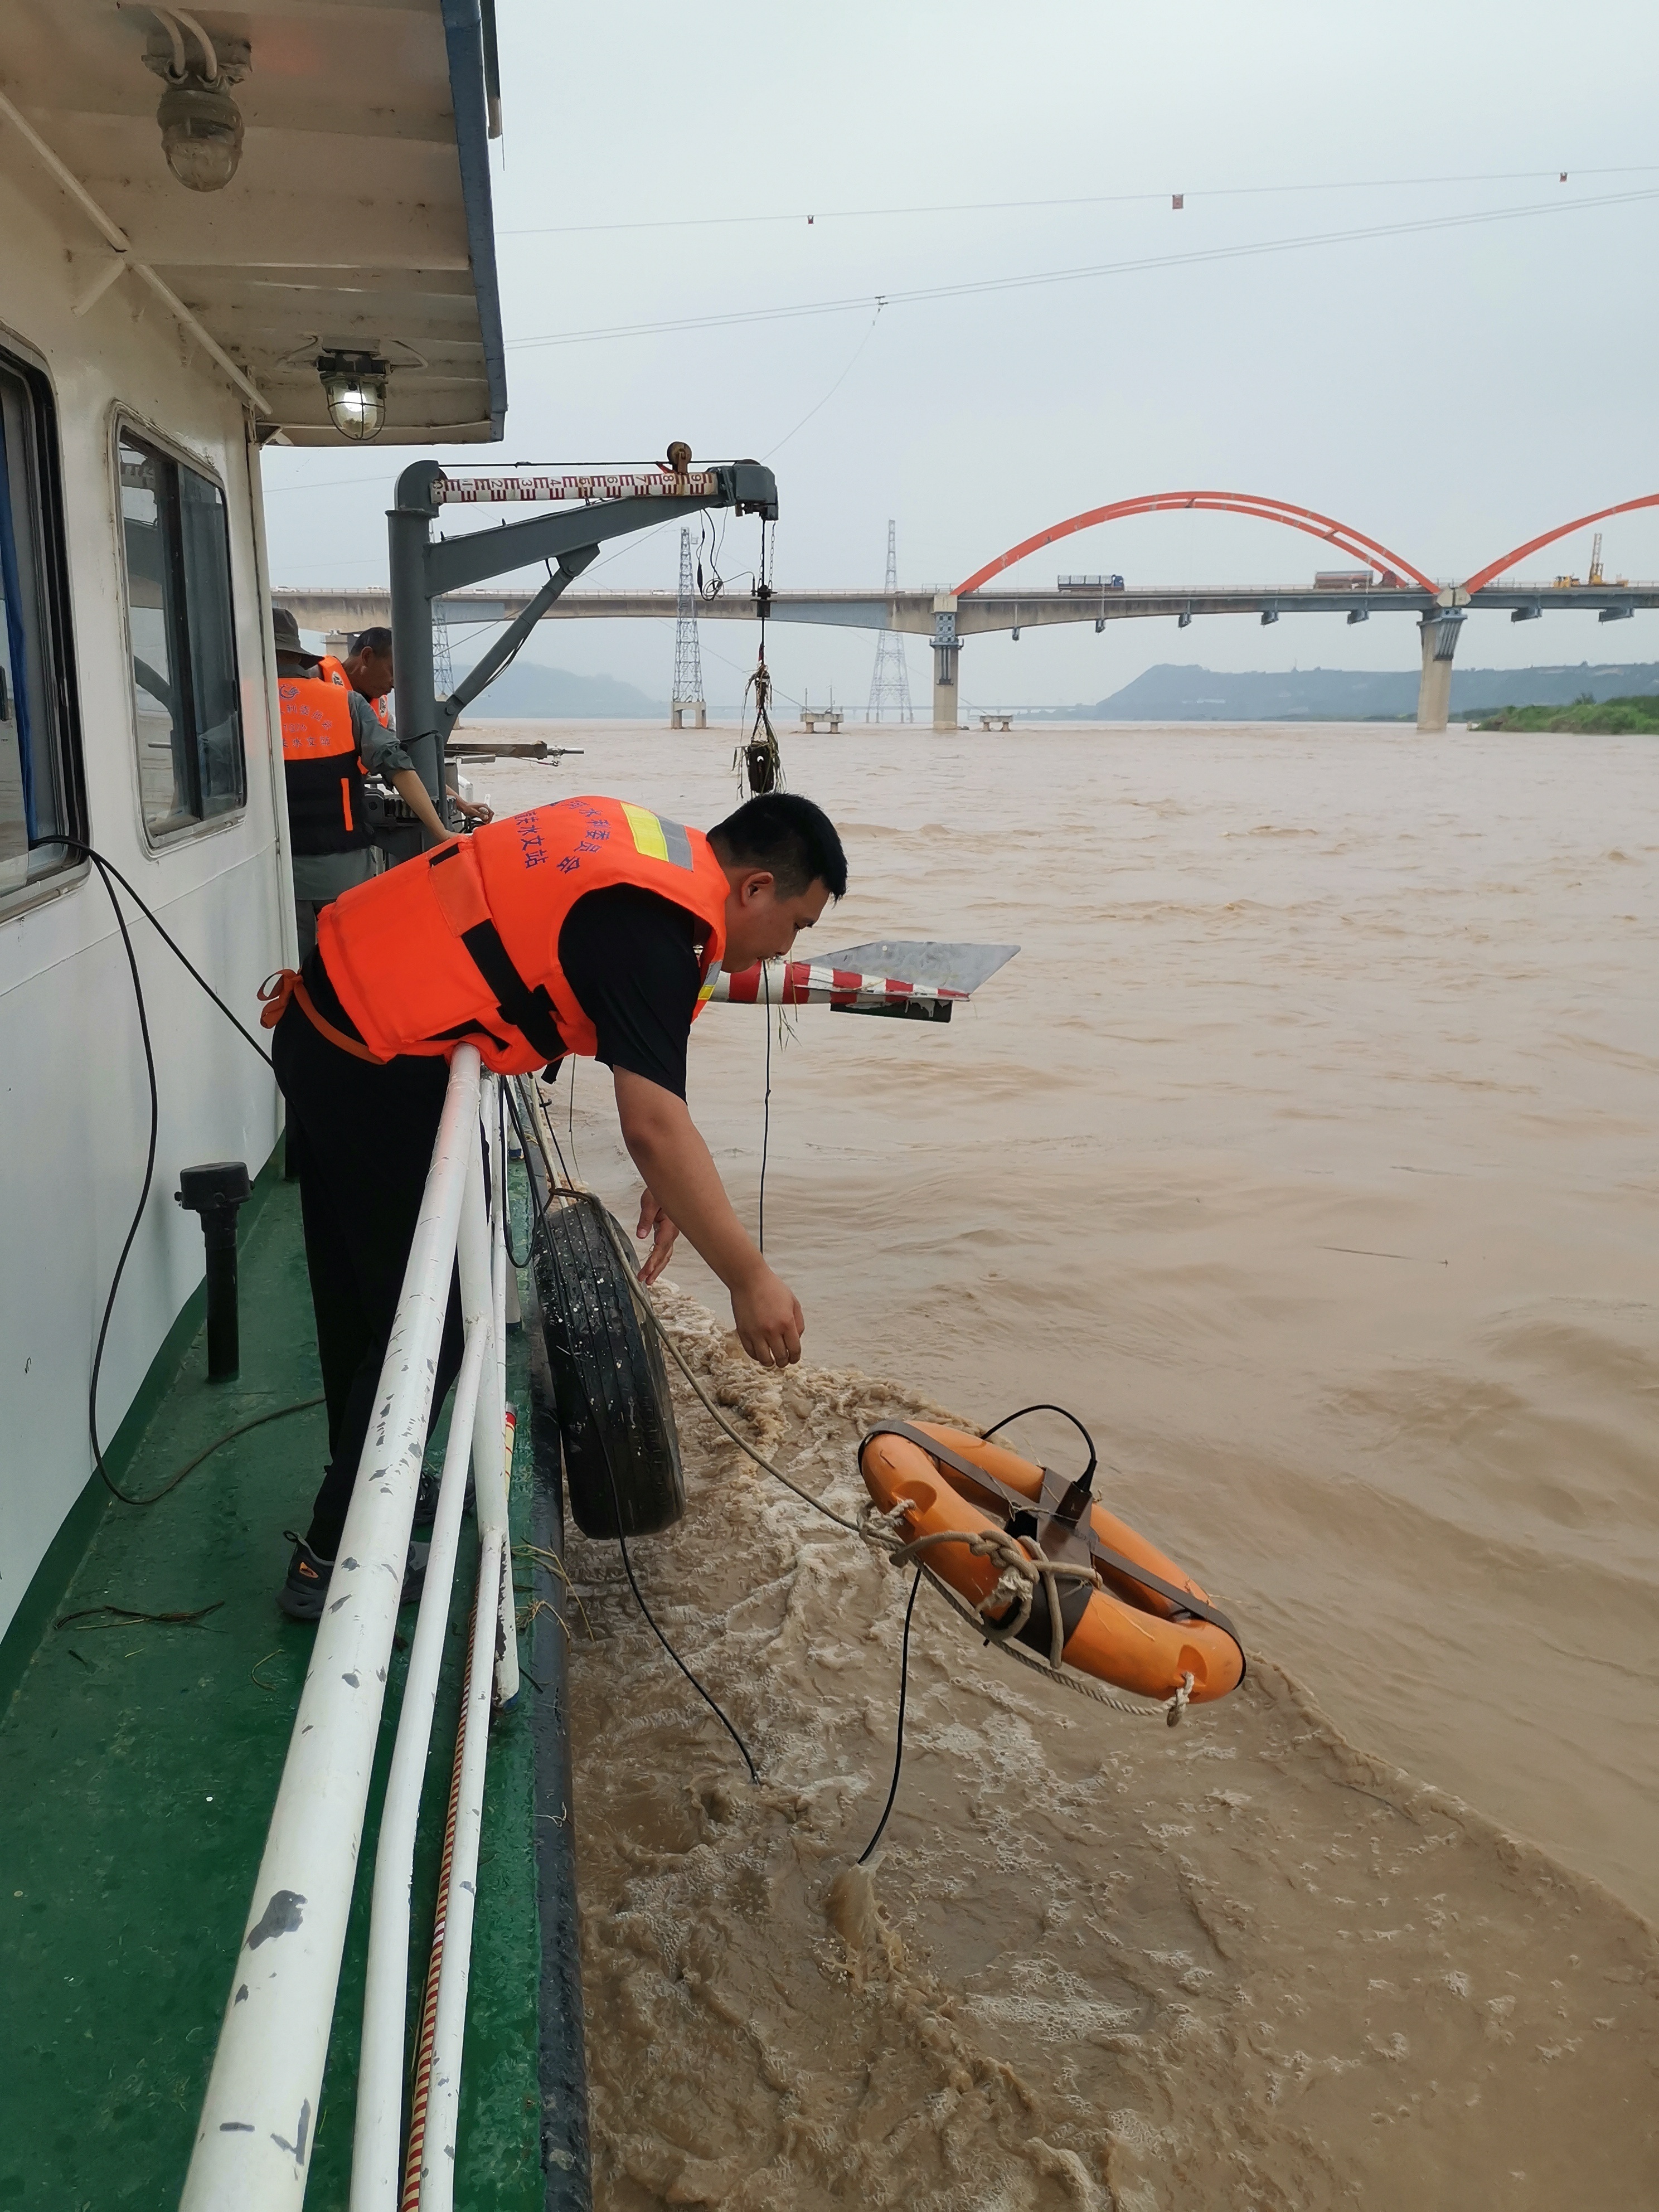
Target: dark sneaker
{"x":426,"y":1502}
{"x":303,"y":1594}
{"x":426,"y":1498}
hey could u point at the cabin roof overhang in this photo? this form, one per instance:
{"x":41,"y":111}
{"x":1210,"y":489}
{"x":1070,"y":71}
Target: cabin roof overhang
{"x":358,"y":220}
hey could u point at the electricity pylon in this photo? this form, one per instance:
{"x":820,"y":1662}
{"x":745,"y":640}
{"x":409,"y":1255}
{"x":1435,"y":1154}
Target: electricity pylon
{"x":687,"y":654}
{"x":890,"y":685}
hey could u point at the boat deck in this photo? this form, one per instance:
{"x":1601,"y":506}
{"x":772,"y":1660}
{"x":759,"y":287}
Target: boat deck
{"x":141,"y":1757}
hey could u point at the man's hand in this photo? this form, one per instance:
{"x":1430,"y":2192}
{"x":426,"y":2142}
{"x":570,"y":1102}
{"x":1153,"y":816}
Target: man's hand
{"x":471,"y":810}
{"x":683,"y":1191}
{"x":769,"y":1318}
{"x":655,"y":1225}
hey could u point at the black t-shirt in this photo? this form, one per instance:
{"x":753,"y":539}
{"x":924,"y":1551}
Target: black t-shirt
{"x":631,"y":958}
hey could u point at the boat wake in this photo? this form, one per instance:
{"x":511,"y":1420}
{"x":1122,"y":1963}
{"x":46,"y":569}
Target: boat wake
{"x":1096,"y":1963}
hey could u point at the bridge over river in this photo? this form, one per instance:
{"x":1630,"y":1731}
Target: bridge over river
{"x":1387,"y":584}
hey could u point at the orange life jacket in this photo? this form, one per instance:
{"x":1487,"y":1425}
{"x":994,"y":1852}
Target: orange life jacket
{"x":463,"y":943}
{"x":324,"y":776}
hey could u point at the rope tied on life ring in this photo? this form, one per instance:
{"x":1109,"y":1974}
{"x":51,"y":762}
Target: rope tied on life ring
{"x":1021,"y":1575}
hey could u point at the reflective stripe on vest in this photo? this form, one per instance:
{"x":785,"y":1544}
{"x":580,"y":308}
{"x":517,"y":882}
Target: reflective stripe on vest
{"x":464,"y":941}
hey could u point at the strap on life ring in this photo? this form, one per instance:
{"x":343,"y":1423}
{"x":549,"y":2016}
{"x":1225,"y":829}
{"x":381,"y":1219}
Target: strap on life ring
{"x":1010,"y":1503}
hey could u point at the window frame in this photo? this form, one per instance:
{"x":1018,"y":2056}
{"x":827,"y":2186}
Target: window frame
{"x":54,"y":614}
{"x":125,"y":421}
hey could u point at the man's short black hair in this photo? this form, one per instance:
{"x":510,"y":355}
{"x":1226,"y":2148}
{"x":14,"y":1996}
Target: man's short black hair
{"x":378,"y":641}
{"x":786,"y":833}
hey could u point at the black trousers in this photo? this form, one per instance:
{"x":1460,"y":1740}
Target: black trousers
{"x":364,"y":1134}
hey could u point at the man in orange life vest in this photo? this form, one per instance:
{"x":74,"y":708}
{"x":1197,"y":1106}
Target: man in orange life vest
{"x":590,"y":926}
{"x":330,"y":735}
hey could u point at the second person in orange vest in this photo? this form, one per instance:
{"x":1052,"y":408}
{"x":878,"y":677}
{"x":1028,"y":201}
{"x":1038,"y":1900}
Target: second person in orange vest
{"x":589,"y":926}
{"x":330,"y":736}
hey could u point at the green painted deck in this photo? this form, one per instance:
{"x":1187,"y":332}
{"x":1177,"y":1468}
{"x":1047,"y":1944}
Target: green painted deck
{"x":140,"y":1763}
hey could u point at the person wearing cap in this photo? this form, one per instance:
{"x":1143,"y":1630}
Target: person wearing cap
{"x":331,"y":736}
{"x":369,"y":672}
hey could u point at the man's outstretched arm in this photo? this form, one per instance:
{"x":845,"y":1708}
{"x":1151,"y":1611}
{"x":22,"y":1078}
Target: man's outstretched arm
{"x":680,"y":1174}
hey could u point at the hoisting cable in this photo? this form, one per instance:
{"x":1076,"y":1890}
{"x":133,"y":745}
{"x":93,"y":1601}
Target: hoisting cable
{"x":761,"y":761}
{"x":543,"y":1206}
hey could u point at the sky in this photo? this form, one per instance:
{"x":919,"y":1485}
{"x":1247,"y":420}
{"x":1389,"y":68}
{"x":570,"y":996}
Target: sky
{"x":1452,"y":388}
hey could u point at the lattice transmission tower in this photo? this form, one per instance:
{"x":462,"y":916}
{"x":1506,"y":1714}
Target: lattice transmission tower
{"x":688,"y":654}
{"x":890,"y":684}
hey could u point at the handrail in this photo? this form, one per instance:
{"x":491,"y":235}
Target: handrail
{"x":253,"y":2145}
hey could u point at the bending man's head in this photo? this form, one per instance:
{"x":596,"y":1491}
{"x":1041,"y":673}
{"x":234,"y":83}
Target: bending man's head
{"x":369,"y":665}
{"x":784,"y":863}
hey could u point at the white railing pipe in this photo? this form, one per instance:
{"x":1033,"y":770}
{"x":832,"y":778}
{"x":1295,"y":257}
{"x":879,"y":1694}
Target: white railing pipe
{"x":479,"y":1295}
{"x":377,"y":2146}
{"x":444,"y":2100}
{"x":253,"y":2145}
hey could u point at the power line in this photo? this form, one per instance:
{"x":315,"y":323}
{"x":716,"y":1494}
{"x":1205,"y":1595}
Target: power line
{"x":1083,"y":200}
{"x":977,"y":286}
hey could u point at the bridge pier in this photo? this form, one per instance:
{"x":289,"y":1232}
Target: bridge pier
{"x":1439,"y":632}
{"x":946,"y":651}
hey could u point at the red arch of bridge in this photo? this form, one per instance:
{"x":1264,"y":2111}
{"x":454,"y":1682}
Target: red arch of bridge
{"x":1496,"y":567}
{"x":1261,"y":509}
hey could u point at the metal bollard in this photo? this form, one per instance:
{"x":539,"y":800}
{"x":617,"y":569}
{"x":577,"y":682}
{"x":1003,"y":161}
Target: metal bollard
{"x":215,"y":1192}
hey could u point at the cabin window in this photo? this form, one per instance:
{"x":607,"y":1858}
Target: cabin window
{"x":187,"y":704}
{"x":40,"y":780}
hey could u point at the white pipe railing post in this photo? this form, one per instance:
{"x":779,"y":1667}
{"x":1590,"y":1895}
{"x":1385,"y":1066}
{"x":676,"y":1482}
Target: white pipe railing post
{"x":377,"y":2146}
{"x":478,"y":1294}
{"x":253,"y":2146}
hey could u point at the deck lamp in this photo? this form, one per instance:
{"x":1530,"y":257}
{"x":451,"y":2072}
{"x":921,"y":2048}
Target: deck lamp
{"x":353,"y":385}
{"x":201,"y":134}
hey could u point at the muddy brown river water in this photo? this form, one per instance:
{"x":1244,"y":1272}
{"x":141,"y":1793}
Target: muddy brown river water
{"x":1307,"y":1151}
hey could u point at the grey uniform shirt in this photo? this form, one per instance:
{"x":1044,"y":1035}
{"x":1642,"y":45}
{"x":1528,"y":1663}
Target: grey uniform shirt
{"x":324,"y":876}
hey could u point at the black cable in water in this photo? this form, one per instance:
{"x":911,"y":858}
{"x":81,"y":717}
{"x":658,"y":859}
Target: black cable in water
{"x":898,"y":1750}
{"x":639,"y":1600}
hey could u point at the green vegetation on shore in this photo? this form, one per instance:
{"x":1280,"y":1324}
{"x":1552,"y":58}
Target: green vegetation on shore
{"x":1613,"y":718}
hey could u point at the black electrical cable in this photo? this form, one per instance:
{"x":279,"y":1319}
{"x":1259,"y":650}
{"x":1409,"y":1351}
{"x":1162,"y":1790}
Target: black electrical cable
{"x":106,"y":869}
{"x":507,"y":1202}
{"x":1088,"y":1474}
{"x":542,"y":1209}
{"x":898,"y":1750}
{"x":108,"y":1479}
{"x":277,"y":1413}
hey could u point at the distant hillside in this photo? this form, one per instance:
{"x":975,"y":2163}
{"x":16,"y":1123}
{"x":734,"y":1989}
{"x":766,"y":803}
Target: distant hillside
{"x":530,"y":692}
{"x":1167,"y":693}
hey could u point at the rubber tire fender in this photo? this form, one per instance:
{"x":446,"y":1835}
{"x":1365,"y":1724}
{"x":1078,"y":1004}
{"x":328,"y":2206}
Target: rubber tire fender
{"x":609,"y":1385}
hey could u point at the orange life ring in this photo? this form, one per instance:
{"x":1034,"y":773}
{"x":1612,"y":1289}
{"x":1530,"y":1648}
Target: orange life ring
{"x":1129,"y":1615}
